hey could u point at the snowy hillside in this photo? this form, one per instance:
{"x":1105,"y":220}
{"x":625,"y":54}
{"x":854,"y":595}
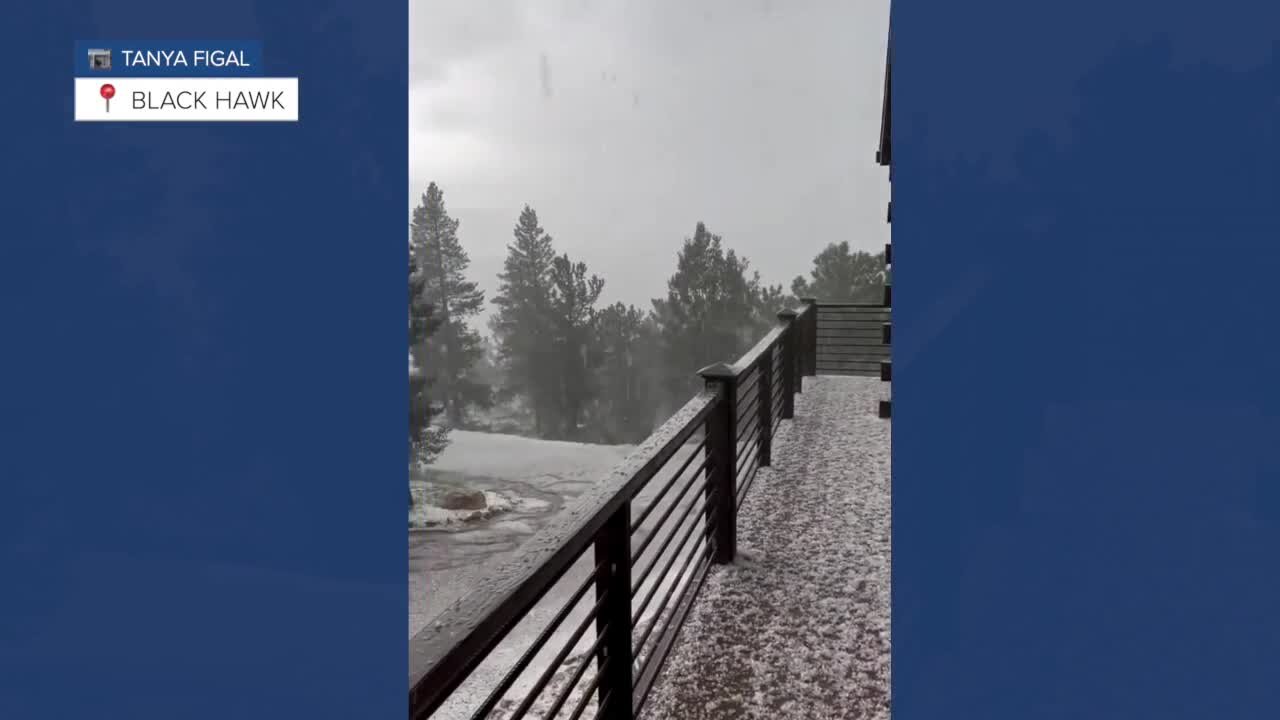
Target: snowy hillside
{"x":513,"y":472}
{"x":527,"y":480}
{"x":517,"y":458}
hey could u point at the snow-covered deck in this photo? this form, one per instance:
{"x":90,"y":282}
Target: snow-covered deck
{"x":798,"y":626}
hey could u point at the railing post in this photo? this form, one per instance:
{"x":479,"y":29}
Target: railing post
{"x":810,"y":352}
{"x":799,"y":335}
{"x":722,"y":461}
{"x":789,"y":379}
{"x":613,"y":623}
{"x":764,"y":414}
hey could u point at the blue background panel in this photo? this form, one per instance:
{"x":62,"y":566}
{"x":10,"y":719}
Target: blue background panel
{"x":1086,"y":401}
{"x":204,"y":338}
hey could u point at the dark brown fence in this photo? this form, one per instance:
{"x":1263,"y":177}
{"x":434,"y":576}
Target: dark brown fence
{"x":852,"y":338}
{"x":579,"y":622}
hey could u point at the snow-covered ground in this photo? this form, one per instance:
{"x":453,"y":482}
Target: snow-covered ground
{"x":515,"y":457}
{"x":798,"y":627}
{"x":530,"y":479}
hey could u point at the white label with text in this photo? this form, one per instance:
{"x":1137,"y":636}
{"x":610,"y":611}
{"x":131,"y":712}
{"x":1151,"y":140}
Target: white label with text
{"x":132,"y":99}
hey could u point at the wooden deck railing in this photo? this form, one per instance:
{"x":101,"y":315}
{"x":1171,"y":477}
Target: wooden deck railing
{"x":852,"y":338}
{"x":610,"y":581}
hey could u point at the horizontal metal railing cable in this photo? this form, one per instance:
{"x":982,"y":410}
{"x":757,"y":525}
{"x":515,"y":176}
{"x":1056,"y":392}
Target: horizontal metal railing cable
{"x":644,"y":514}
{"x":675,"y":605}
{"x":746,"y":479}
{"x":751,"y":423}
{"x":554,"y":665}
{"x":748,"y":450}
{"x":567,"y":691}
{"x":664,"y":604}
{"x":536,"y":646}
{"x":603,"y":704}
{"x":653,"y":660}
{"x":587,"y":694}
{"x":748,"y":412}
{"x":698,"y":553}
{"x":745,"y":411}
{"x":637,"y":614}
{"x":746,"y":396}
{"x":644,"y":544}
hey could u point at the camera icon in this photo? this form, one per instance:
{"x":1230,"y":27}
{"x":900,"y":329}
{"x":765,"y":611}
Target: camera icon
{"x":100,"y":59}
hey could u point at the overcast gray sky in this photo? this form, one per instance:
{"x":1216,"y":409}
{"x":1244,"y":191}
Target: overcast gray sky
{"x":625,"y":122}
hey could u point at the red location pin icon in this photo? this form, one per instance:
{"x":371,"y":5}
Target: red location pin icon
{"x":107,"y":92}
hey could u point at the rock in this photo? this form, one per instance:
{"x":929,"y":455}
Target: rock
{"x":463,"y":500}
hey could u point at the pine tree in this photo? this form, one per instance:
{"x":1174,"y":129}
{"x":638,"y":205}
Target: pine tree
{"x":710,"y":313}
{"x":573,"y":299}
{"x":767,"y":300}
{"x":625,"y":406}
{"x":522,"y":323}
{"x":842,"y":275}
{"x":454,"y":347}
{"x":426,"y":440}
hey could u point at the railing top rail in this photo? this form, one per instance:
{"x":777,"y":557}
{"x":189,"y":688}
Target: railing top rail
{"x":867,"y":306}
{"x":766,"y":343}
{"x":443,"y":653}
{"x":748,"y":359}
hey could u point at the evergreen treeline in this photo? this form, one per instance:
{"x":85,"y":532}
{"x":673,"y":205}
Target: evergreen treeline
{"x":559,"y":365}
